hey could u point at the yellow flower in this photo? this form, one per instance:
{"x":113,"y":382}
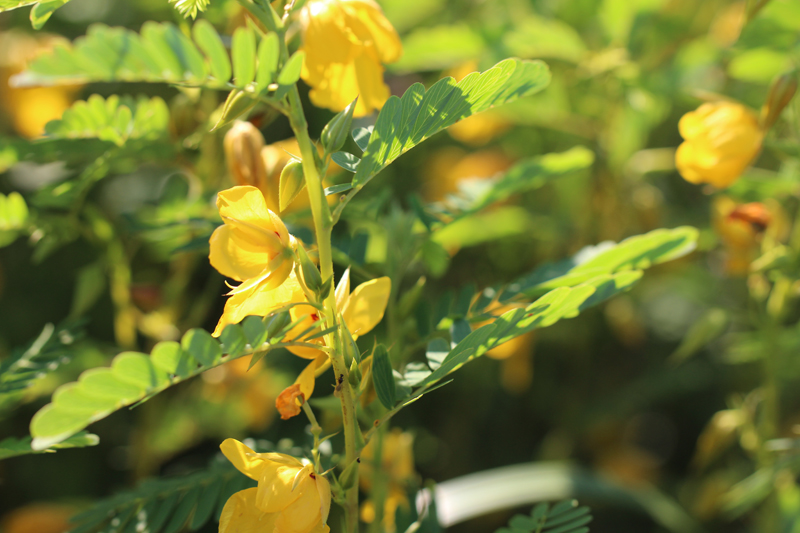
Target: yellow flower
{"x":290,"y":497}
{"x":29,"y":109}
{"x":721,"y":140}
{"x":346,"y":43}
{"x":397,"y":464}
{"x":361,"y":310}
{"x":38,"y":518}
{"x":252,"y":246}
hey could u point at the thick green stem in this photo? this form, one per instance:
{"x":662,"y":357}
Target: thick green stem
{"x":323,"y":224}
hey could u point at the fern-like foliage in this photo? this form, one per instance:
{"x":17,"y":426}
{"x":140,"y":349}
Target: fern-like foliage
{"x":12,"y":447}
{"x":585,"y":281}
{"x":166,"y":505}
{"x":161,"y":53}
{"x":405,"y":122}
{"x":13,"y":217}
{"x":115,"y":119}
{"x":135,"y":377}
{"x":50,"y":350}
{"x":189,"y":8}
{"x":563,"y":517}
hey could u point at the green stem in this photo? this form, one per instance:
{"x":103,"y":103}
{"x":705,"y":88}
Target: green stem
{"x":316,"y":430}
{"x":323,"y":224}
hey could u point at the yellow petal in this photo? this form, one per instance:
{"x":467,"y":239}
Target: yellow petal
{"x":307,"y":379}
{"x":240,"y":515}
{"x":233,"y":258}
{"x":259,"y":301}
{"x":365,"y":307}
{"x":324,"y":490}
{"x":246,"y":461}
{"x":367,"y":21}
{"x":303,"y":514}
{"x":275,"y":487}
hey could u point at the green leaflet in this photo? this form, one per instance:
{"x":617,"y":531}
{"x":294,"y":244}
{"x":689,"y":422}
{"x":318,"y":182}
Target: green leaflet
{"x":47,"y":353}
{"x":405,"y":122}
{"x":161,"y":53}
{"x":570,"y":287}
{"x":560,"y":303}
{"x":134,"y":377}
{"x":12,"y":447}
{"x":114,"y":119}
{"x":563,"y":517}
{"x":13,"y":217}
{"x":42,"y":9}
{"x":382,"y":376}
{"x":634,"y":253}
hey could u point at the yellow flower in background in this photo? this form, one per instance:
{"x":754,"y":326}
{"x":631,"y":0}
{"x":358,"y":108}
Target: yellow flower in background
{"x":252,"y":246}
{"x":346,"y":43}
{"x":38,"y":518}
{"x":721,"y":140}
{"x":448,"y":167}
{"x":397,"y":464}
{"x":479,"y":129}
{"x":361,"y":311}
{"x":29,"y":109}
{"x":290,"y":497}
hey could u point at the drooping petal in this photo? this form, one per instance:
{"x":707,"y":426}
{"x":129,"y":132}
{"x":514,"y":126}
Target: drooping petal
{"x":324,"y":490}
{"x":365,"y":307}
{"x":259,"y":301}
{"x":240,"y":515}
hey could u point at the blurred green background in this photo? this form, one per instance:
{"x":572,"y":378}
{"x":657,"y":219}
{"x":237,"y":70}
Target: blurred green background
{"x":608,"y":391}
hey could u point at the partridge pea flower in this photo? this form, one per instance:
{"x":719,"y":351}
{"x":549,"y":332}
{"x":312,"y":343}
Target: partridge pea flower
{"x":721,"y":140}
{"x":346,"y":43}
{"x":290,"y":497}
{"x":252,"y":246}
{"x":361,"y":311}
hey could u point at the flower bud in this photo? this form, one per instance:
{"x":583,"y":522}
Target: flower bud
{"x":277,"y":323}
{"x":348,"y":478}
{"x":780,"y":94}
{"x":236,"y":105}
{"x":243,"y":144}
{"x":311,"y":275}
{"x":336,"y":131}
{"x":292,"y":182}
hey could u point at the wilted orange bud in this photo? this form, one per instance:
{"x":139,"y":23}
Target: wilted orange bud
{"x":287,"y":402}
{"x":243,"y":144}
{"x":754,"y":213}
{"x":721,"y":140}
{"x":741,"y":228}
